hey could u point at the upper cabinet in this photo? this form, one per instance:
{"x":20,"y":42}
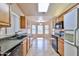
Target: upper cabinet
{"x":23,"y":22}
{"x":59,"y":23}
{"x":4,"y":15}
{"x":61,"y":18}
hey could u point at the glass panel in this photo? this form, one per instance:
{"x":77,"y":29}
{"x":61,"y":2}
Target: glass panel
{"x":29,"y":31}
{"x":40,"y":29}
{"x":33,"y":29}
{"x":46,"y":29}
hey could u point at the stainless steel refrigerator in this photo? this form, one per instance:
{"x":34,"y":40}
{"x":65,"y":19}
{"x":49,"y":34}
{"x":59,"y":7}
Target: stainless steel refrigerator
{"x":71,"y":36}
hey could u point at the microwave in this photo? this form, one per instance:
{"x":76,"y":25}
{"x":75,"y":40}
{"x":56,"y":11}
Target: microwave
{"x":59,"y":25}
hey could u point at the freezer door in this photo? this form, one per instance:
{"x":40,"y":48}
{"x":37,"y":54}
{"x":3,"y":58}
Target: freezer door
{"x":70,"y":20}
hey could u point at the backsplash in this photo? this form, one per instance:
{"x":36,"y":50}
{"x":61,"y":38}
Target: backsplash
{"x":2,"y":31}
{"x":15,"y":24}
{"x":10,"y":30}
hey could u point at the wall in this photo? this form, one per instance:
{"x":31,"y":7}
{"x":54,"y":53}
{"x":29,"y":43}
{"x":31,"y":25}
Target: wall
{"x":14,"y":21}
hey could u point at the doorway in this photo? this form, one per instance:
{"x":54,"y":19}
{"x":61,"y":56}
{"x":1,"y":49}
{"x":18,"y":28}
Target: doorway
{"x":40,"y":30}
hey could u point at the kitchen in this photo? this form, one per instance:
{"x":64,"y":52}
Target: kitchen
{"x":16,"y":39}
{"x":11,"y":42}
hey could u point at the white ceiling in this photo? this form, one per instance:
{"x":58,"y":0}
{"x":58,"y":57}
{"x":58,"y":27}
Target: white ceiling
{"x":31,"y":9}
{"x":54,"y":10}
{"x":36,"y":18}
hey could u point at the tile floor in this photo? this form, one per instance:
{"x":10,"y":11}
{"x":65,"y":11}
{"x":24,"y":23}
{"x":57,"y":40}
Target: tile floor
{"x":41,"y":47}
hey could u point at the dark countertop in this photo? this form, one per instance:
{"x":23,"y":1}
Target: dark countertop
{"x":57,"y":36}
{"x":7,"y":44}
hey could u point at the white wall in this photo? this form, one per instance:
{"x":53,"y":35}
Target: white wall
{"x":2,"y":31}
{"x":15,"y":26}
{"x":15,"y":13}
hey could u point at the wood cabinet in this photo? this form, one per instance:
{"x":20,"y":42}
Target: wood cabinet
{"x":27,"y":45}
{"x":23,"y":22}
{"x":61,"y":46}
{"x":24,"y":47}
{"x":61,"y":18}
{"x":4,"y":15}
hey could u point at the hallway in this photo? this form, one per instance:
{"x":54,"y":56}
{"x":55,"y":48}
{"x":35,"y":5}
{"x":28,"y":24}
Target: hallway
{"x":41,"y":47}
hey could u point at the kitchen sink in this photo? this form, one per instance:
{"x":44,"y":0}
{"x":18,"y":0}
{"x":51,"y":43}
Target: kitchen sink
{"x":20,"y":37}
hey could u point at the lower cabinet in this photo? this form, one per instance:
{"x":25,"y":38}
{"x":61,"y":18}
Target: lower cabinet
{"x":61,"y":46}
{"x":14,"y":52}
{"x":24,"y":47}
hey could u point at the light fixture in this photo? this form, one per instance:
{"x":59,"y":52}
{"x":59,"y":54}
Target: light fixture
{"x":40,"y":19}
{"x":43,"y":7}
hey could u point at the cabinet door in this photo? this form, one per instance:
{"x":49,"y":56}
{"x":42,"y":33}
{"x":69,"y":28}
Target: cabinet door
{"x":24,"y":47}
{"x":4,"y":14}
{"x":22,"y":22}
{"x":61,"y":46}
{"x":27,"y":45}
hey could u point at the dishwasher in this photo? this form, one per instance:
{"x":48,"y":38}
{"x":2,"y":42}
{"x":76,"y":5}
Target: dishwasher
{"x":16,"y":51}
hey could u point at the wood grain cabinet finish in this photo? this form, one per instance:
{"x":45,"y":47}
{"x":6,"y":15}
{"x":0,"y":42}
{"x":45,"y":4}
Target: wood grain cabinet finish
{"x":61,"y":46}
{"x":61,"y":18}
{"x":27,"y":45}
{"x":24,"y":47}
{"x":22,"y":22}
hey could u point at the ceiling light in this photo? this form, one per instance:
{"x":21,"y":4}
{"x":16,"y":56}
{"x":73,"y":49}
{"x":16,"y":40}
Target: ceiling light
{"x":40,"y":19}
{"x":43,"y":7}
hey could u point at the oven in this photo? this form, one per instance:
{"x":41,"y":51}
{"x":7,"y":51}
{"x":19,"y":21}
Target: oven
{"x":55,"y":42}
{"x":15,"y":51}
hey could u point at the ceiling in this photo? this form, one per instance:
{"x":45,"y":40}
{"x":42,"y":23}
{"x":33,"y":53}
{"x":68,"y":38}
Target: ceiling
{"x":31,"y":9}
{"x":54,"y":10}
{"x":36,"y":18}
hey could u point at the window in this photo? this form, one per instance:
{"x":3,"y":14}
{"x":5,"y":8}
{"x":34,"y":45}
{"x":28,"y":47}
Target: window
{"x":46,"y":29}
{"x":40,"y":29}
{"x":33,"y":29}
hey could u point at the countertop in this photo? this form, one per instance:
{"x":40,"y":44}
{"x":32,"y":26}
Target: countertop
{"x":7,"y":35}
{"x":58,"y":36}
{"x":7,"y":44}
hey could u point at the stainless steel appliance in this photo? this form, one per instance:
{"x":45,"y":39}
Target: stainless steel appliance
{"x":70,"y":37}
{"x":59,"y":25}
{"x":71,"y":20}
{"x":71,"y":27}
{"x":15,"y":51}
{"x":55,"y":42}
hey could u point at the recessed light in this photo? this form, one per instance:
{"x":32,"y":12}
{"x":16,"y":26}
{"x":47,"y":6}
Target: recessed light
{"x":43,"y":7}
